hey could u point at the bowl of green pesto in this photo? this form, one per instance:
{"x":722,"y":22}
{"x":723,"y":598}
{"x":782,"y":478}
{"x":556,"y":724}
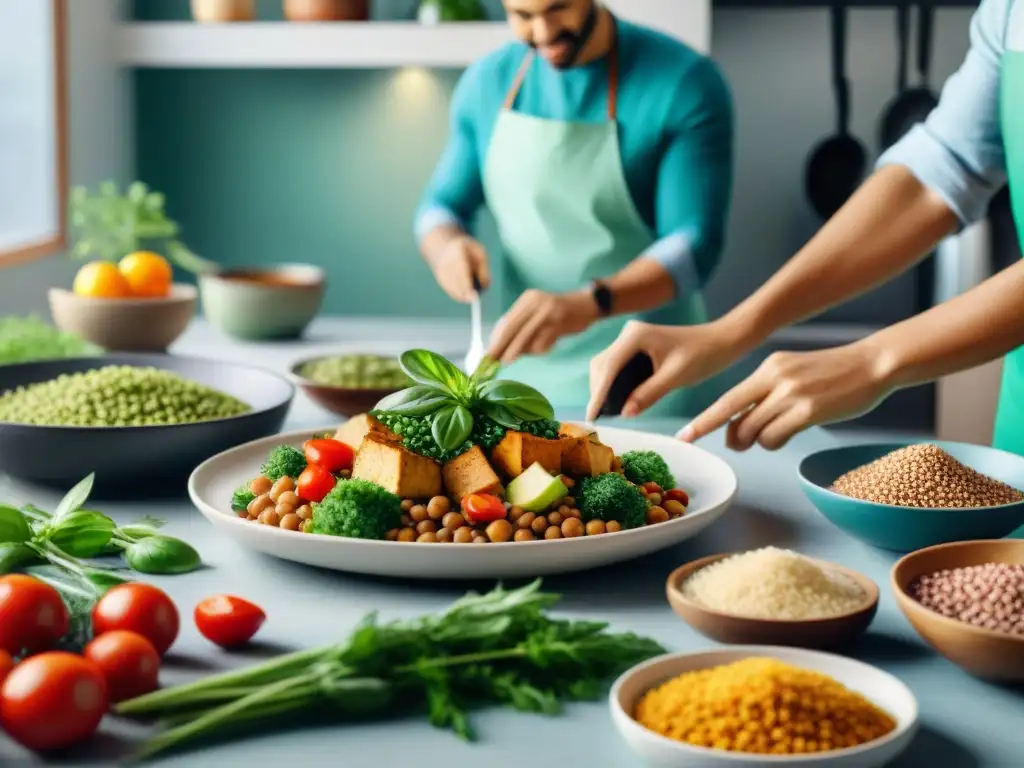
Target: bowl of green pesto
{"x":139,"y":422}
{"x":349,"y":384}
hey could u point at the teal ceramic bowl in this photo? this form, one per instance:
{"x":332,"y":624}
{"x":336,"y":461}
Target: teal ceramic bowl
{"x":266,"y":304}
{"x":904,"y":529}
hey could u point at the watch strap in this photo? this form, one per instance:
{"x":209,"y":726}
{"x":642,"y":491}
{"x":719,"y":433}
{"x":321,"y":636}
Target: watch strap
{"x":602,"y":297}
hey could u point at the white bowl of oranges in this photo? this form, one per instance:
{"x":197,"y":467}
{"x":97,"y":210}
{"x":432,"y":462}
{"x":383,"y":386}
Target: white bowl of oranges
{"x":132,"y":305}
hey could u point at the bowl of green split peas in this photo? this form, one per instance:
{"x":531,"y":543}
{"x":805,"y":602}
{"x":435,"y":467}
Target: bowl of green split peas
{"x":351,"y":384}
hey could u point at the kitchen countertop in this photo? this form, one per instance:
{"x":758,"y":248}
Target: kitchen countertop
{"x":965,"y":723}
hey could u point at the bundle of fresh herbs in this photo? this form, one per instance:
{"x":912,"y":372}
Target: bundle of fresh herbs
{"x":500,"y":648}
{"x":62,"y":549}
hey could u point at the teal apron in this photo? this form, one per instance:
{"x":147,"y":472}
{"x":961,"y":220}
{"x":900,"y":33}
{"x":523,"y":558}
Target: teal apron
{"x":565,"y":216}
{"x":1009,"y":428}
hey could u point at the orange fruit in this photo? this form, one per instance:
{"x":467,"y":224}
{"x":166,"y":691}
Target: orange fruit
{"x":149,"y":274}
{"x":101,"y":280}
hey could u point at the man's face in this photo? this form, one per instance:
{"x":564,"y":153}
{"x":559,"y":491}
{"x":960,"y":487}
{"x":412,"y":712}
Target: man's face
{"x":555,"y":28}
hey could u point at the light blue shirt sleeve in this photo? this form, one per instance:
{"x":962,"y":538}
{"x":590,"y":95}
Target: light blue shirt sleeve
{"x":958,"y":150}
{"x":694,"y":181}
{"x":455,"y":191}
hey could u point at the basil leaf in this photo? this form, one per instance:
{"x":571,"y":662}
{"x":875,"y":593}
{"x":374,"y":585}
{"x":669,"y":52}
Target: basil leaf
{"x":104,"y":580}
{"x":74,"y":498}
{"x":13,"y":556}
{"x":522,"y":400}
{"x":500,"y":414}
{"x":420,"y":400}
{"x":486,"y":371}
{"x":14,"y":528}
{"x":162,"y":555}
{"x":433,"y":370}
{"x":81,"y":533}
{"x":452,"y":426}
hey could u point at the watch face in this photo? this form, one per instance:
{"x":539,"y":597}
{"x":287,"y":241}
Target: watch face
{"x":603,"y":297}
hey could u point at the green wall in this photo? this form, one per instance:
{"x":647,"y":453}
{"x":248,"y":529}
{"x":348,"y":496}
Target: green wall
{"x":321,"y":166}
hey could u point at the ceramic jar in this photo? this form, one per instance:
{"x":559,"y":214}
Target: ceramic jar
{"x":327,"y":10}
{"x":223,"y":10}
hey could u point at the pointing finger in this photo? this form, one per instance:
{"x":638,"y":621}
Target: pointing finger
{"x":745,"y":394}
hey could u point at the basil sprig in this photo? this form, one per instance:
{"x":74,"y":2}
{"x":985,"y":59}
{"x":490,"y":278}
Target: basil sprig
{"x":452,"y":400}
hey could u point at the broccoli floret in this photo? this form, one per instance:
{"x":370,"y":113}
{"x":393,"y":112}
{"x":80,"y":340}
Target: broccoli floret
{"x":241,"y":498}
{"x":611,"y":497}
{"x":357,"y":509}
{"x":284,"y":461}
{"x":647,"y":467}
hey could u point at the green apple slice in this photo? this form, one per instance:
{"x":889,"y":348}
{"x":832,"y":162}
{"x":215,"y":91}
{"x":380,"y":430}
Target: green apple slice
{"x":535,"y":490}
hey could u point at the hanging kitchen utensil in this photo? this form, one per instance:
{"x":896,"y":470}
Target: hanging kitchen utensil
{"x":837,"y":165}
{"x":888,"y":130}
{"x":634,"y":373}
{"x":917,"y":103}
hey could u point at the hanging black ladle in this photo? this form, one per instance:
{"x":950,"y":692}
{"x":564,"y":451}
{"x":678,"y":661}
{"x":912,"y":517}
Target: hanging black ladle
{"x":838,"y":164}
{"x":914,"y":105}
{"x":892,"y":118}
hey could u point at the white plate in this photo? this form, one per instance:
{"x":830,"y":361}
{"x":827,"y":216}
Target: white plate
{"x":880,"y":688}
{"x":708,"y":480}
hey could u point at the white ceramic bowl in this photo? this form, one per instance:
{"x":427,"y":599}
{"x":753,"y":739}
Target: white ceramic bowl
{"x":881,"y":688}
{"x":708,"y":480}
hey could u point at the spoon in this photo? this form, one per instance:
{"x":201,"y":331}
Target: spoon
{"x":477,"y":349}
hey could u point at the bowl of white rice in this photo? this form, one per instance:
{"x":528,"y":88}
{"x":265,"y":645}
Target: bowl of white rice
{"x":773,"y":596}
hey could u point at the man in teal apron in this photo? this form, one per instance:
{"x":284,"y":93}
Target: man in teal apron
{"x":942,"y":174}
{"x":603,"y":150}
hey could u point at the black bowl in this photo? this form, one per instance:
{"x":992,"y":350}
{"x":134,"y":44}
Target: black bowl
{"x":141,"y":461}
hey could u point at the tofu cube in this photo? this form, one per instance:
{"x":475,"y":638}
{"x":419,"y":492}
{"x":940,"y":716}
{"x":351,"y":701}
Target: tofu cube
{"x":518,"y":450}
{"x":470,"y":473}
{"x":583,"y":453}
{"x":394,"y":467}
{"x":358,"y":427}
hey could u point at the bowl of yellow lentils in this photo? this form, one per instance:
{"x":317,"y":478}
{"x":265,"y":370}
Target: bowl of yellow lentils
{"x":753,"y":706}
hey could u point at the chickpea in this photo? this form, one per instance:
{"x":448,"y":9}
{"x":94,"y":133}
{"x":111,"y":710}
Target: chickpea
{"x":464,"y":535}
{"x":499,"y":531}
{"x":526,"y":520}
{"x":568,"y":482}
{"x":282,"y":485}
{"x":612,"y":526}
{"x":269,"y":517}
{"x":568,"y":501}
{"x":445,"y":535}
{"x":653,"y":488}
{"x":291,"y":522}
{"x":514,"y":513}
{"x":407,"y":534}
{"x":570,"y":512}
{"x":540,"y":524}
{"x":260,"y":485}
{"x":305,"y":512}
{"x":674,"y":508}
{"x":643,"y":491}
{"x":307,"y":526}
{"x":481,"y":540}
{"x":426,"y":526}
{"x":346,"y":473}
{"x":595,"y":527}
{"x":406,"y":521}
{"x":427,"y":538}
{"x":407,"y":504}
{"x":283,"y":510}
{"x":556,"y":518}
{"x":453,"y":520}
{"x":438,"y":507}
{"x":289,"y":497}
{"x":572,"y":528}
{"x":258,"y":504}
{"x":392,"y":535}
{"x":418,"y":513}
{"x":524,"y":534}
{"x":656,"y":515}
{"x":553,"y":532}
{"x":654,"y":499}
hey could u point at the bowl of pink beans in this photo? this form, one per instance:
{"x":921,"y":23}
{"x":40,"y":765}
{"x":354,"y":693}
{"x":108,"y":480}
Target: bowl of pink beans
{"x":966,"y":600}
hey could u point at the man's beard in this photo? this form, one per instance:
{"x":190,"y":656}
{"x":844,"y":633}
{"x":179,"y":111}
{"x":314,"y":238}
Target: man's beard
{"x":577,"y":41}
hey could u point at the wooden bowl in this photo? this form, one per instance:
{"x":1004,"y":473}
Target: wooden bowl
{"x":984,"y":653}
{"x":744,"y":630}
{"x":341,"y":401}
{"x":125,"y":325}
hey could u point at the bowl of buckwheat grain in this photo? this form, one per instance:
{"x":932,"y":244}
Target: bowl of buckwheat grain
{"x":907,"y":496}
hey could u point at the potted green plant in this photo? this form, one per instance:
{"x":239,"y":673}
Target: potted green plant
{"x":437,"y":11}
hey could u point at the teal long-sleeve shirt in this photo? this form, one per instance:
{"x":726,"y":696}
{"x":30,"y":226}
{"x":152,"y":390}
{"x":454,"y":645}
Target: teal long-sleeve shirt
{"x":675,"y":123}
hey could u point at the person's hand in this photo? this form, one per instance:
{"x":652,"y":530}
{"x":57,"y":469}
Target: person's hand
{"x":792,"y":391}
{"x":682,"y":356}
{"x":460,"y":260}
{"x":537,"y":320}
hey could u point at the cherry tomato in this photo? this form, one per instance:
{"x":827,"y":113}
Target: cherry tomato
{"x":315,"y":482}
{"x":53,"y":700}
{"x":228,"y":621}
{"x":140,"y":608}
{"x":332,"y":455}
{"x":483,"y":508}
{"x":6,"y":665}
{"x":652,"y":487}
{"x":129,"y":662}
{"x":32,"y":614}
{"x":677,"y":494}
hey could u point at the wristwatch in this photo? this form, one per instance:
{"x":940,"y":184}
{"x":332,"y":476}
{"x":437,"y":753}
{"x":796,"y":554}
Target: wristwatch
{"x":602,"y":297}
